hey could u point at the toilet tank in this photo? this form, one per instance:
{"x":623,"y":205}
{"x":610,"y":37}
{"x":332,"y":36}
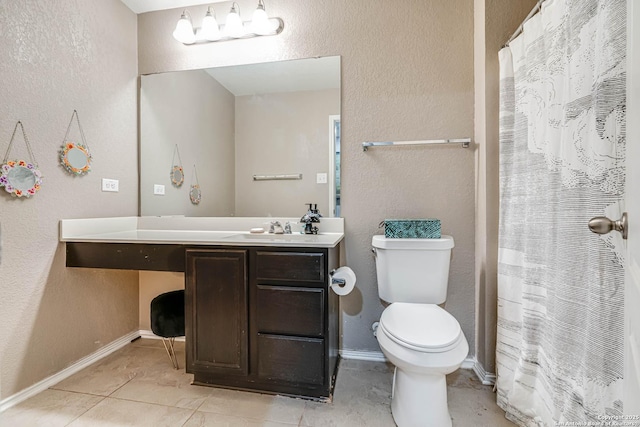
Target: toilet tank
{"x":413,"y":270}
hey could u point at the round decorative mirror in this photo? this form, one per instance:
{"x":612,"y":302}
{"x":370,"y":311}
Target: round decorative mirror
{"x":177,"y":176}
{"x":20,"y":178}
{"x":75,"y":158}
{"x":194,"y":194}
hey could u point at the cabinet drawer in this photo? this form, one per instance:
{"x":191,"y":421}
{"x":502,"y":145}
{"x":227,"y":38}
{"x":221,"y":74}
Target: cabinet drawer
{"x":290,"y":266}
{"x":292,"y":359}
{"x":290,"y":310}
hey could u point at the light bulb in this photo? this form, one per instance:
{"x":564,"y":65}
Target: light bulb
{"x":233,"y":27}
{"x":260,"y":21}
{"x":210,"y":30}
{"x":184,"y":30}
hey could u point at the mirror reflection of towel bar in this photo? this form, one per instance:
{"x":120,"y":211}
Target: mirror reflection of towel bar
{"x":277,"y":177}
{"x":464,"y":141}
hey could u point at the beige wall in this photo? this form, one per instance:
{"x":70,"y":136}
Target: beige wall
{"x":152,"y":284}
{"x":407,"y":73}
{"x":58,"y":56}
{"x":194,"y":111}
{"x":283,"y":133}
{"x":495,"y":21}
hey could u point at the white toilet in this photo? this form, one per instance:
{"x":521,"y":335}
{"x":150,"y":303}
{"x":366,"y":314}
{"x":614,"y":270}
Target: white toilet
{"x":422,"y":340}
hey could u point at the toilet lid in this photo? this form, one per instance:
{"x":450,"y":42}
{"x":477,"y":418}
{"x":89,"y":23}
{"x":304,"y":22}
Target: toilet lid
{"x":424,"y":326}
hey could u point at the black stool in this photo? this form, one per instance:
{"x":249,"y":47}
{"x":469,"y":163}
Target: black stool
{"x":167,"y":320}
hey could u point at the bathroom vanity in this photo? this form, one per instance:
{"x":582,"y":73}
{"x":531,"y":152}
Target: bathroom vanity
{"x":259,"y":311}
{"x":262,"y":318}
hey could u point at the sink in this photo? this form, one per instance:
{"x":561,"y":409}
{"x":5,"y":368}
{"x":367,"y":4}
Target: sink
{"x":293,"y":240}
{"x":275,"y":237}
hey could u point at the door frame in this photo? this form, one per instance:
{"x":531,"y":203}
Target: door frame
{"x":631,"y":389}
{"x":332,"y":163}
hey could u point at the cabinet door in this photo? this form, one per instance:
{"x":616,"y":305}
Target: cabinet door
{"x":216,"y":311}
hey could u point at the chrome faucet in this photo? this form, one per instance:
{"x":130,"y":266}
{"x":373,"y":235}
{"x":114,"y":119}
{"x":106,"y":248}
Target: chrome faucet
{"x":276,"y":228}
{"x":312,"y":216}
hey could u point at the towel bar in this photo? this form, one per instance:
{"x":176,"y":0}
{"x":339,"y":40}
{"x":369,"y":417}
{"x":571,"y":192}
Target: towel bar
{"x":464,"y":141}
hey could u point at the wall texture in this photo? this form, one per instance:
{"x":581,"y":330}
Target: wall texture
{"x":194,"y":111}
{"x":283,"y":133}
{"x":407,"y":74}
{"x":58,"y":56}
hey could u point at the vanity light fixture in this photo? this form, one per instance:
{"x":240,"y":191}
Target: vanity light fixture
{"x":260,"y":20}
{"x":210,"y":30}
{"x":234,"y":28}
{"x":184,"y":29}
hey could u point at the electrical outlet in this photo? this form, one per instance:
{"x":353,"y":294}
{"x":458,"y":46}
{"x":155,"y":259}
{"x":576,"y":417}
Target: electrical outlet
{"x":110,"y":184}
{"x":321,"y":178}
{"x":158,"y":189}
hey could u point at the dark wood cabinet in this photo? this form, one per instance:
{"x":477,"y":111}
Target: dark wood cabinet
{"x":263,"y":319}
{"x":216,"y":311}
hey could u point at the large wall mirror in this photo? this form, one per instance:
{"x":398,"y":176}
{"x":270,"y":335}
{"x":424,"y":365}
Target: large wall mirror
{"x":264,"y":139}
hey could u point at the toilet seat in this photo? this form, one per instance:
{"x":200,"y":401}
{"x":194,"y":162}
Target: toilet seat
{"x":422,"y":327}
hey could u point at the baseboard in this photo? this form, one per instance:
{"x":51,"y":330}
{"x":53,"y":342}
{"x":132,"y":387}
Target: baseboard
{"x":44,"y":384}
{"x":147,"y":334}
{"x":485,"y":377}
{"x":377,"y":356}
{"x":468,"y":363}
{"x":371,"y":356}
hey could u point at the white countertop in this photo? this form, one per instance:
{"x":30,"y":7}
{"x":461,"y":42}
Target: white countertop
{"x":230,"y":231}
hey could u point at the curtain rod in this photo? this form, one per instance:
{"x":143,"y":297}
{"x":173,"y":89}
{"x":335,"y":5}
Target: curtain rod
{"x":518,"y":31}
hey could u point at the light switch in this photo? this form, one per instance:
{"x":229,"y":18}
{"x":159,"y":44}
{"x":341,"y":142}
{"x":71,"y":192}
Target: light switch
{"x":158,"y":189}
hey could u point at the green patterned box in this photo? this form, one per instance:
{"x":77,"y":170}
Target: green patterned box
{"x":412,"y":228}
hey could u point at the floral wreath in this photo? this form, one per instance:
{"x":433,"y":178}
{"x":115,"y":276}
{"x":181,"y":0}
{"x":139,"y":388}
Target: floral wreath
{"x":68,"y":146}
{"x":174,"y":181}
{"x":4,"y":178}
{"x":195,"y":198}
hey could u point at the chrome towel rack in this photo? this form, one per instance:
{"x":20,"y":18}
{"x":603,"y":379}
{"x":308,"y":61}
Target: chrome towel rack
{"x":464,"y":141}
{"x":277,"y":177}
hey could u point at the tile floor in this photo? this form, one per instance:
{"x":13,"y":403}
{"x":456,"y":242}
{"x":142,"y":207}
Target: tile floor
{"x":136,"y":386}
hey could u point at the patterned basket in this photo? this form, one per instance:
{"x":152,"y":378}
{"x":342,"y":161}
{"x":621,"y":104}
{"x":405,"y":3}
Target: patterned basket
{"x":411,"y":228}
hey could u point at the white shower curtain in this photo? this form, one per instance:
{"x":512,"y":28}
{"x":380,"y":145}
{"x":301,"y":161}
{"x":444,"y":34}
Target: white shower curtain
{"x":562,"y":149}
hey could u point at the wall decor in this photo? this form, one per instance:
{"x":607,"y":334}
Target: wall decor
{"x":194,"y":193}
{"x":74,"y":157}
{"x":20,"y":177}
{"x":177,"y":173}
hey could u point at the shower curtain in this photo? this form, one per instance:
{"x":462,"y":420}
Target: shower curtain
{"x":562,"y":161}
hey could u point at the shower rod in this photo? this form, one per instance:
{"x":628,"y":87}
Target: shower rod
{"x":518,"y":31}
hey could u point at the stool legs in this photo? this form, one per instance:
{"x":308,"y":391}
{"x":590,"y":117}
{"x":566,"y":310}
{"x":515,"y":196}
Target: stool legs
{"x":168,"y":345}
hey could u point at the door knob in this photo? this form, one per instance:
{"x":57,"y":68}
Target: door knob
{"x":603,"y":225}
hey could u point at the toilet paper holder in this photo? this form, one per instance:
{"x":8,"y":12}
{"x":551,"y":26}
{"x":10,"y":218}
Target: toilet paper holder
{"x":337,"y":281}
